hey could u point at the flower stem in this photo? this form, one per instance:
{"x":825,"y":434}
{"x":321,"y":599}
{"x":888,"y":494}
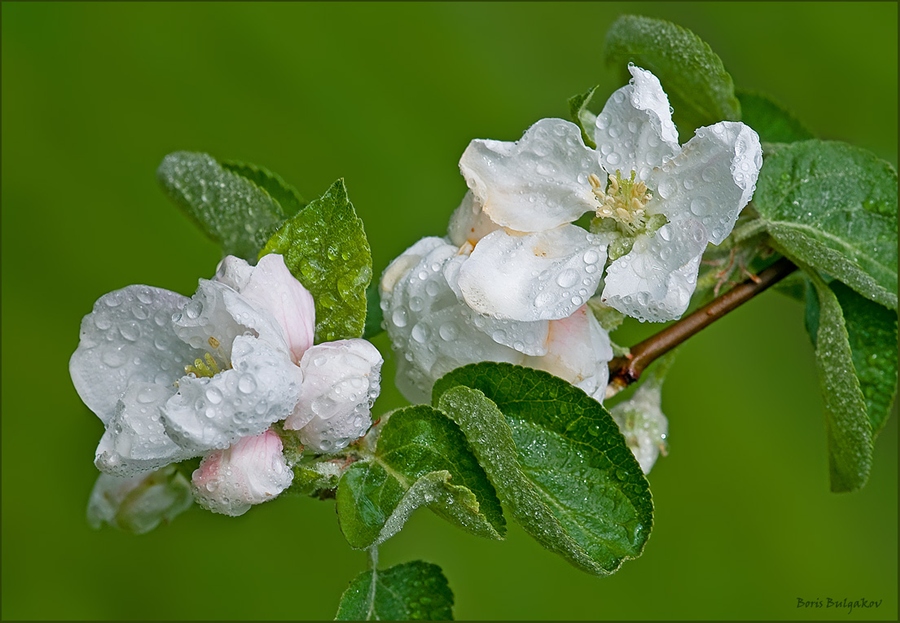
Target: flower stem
{"x":623,"y":371}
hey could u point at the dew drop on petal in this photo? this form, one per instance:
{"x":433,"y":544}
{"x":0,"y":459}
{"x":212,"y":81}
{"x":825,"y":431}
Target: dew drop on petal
{"x":567,"y":278}
{"x":247,"y":384}
{"x":214,"y":395}
{"x":591,"y":256}
{"x":613,"y":158}
{"x":399,"y":317}
{"x":701,"y":206}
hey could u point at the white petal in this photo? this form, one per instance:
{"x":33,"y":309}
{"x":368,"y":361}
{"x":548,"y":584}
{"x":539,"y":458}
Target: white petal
{"x":644,"y":425}
{"x":252,"y":471}
{"x":261,"y":388}
{"x":341,"y":381}
{"x":401,"y":265}
{"x":635,"y":130}
{"x":469,"y":223}
{"x":656,"y":279}
{"x":137,"y":504}
{"x":272,"y":287}
{"x":579,"y":351}
{"x":541,"y":276}
{"x":537,"y":183}
{"x":135,"y":440}
{"x":217,"y":314}
{"x":712,"y":179}
{"x":431,"y":330}
{"x":127,"y":338}
{"x":234,"y":272}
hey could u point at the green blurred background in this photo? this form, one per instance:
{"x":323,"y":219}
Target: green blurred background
{"x":387,"y":96}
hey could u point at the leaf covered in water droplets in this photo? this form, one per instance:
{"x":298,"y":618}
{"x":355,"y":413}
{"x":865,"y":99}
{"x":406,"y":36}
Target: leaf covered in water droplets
{"x":228,"y":207}
{"x":325,"y":247}
{"x":421,"y":459}
{"x":692,"y":75}
{"x":413,"y":591}
{"x":557,"y":460}
{"x":847,"y":426}
{"x":286,"y":195}
{"x":834,"y":207}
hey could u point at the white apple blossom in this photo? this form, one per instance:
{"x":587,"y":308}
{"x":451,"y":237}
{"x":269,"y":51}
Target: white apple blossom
{"x":641,"y":420}
{"x":656,"y":206}
{"x":433,"y":330}
{"x":174,"y":378}
{"x":138,"y":504}
{"x":252,"y":471}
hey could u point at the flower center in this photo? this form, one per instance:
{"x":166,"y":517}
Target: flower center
{"x":622,"y":213}
{"x":623,"y":200}
{"x":207,"y":366}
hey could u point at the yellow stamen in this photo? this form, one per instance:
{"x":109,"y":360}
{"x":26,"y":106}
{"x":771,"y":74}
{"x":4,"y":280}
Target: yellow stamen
{"x":623,"y":200}
{"x":203,"y":367}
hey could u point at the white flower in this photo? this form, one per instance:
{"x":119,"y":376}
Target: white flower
{"x":252,"y":471}
{"x":643,"y":423}
{"x":138,"y":504}
{"x":656,"y":204}
{"x":434,"y":331}
{"x":174,"y":378}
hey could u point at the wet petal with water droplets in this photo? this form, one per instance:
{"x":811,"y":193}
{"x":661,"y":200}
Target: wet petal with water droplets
{"x":656,"y":279}
{"x":128,"y":338}
{"x":541,"y":276}
{"x":644,"y":425}
{"x":534,"y":184}
{"x":135,"y":440}
{"x":341,"y":381}
{"x":579,"y":351}
{"x":469,"y":223}
{"x":252,"y":471}
{"x":712,"y":179}
{"x":635,"y":130}
{"x":272,"y":287}
{"x":262,"y":387}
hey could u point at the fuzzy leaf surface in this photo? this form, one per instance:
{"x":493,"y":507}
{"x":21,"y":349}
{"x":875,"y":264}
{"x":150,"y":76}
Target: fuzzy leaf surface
{"x":847,"y":427}
{"x":833,"y":206}
{"x":557,"y":460}
{"x":412,"y":591}
{"x":692,"y":75}
{"x":285,"y":194}
{"x":231,"y":209}
{"x":421,"y":459}
{"x":773,"y":123}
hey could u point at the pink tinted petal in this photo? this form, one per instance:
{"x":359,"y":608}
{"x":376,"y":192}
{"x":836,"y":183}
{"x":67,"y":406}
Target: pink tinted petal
{"x":233,"y":272}
{"x":252,"y":471}
{"x":341,"y":381}
{"x":272,"y":287}
{"x":579,"y":351}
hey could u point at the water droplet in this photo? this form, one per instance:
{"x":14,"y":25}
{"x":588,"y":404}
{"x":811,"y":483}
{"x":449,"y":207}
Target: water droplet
{"x":701,"y":206}
{"x":667,"y":187}
{"x":214,"y":395}
{"x":420,"y":333}
{"x":688,"y":184}
{"x":399,"y":317}
{"x":567,"y":278}
{"x":130,"y":331}
{"x":247,"y":384}
{"x":448,"y":331}
{"x":102,"y":322}
{"x":140,"y":312}
{"x":113,"y":357}
{"x":613,"y":158}
{"x":146,"y":395}
{"x":708,"y":174}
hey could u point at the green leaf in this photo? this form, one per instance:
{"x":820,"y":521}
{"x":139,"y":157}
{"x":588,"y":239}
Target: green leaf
{"x":772,"y":122}
{"x":285,"y":194}
{"x":557,"y":460}
{"x":580,"y":112}
{"x":847,"y":426}
{"x":693,"y":76}
{"x":872,"y":333}
{"x":325,"y":247}
{"x":231,"y":209}
{"x":374,"y":314}
{"x":421,"y":459}
{"x":413,"y":591}
{"x":834,"y":207}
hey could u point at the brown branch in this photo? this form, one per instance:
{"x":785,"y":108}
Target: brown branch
{"x":623,"y":371}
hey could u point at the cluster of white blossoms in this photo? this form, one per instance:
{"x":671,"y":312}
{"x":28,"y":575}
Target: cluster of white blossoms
{"x":511,"y":280}
{"x":228,"y":375}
